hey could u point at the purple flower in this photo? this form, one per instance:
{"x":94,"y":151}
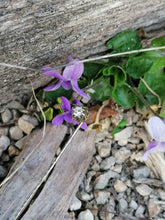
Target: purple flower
{"x":156,"y":128}
{"x":67,"y":115}
{"x":69,"y":78}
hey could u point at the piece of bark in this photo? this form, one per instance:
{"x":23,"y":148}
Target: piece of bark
{"x":56,"y":196}
{"x":37,"y":33}
{"x":19,"y":188}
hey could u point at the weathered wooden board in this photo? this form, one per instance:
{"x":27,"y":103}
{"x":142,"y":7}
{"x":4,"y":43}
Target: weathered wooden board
{"x":19,"y":188}
{"x":55,"y":198}
{"x":34,"y":33}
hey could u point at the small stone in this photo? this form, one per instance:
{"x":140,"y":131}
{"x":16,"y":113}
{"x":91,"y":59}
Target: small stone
{"x":143,"y":190}
{"x":124,"y":134}
{"x":142,"y":172}
{"x":107,"y":163}
{"x":133,"y":205}
{"x":15,"y":105}
{"x":121,"y":155}
{"x":85,"y":196}
{"x":104,"y":149}
{"x":101,"y":135}
{"x":85,"y":215}
{"x":4,"y":131}
{"x":101,"y":197}
{"x":117,"y":168}
{"x":13,"y":151}
{"x":5,"y":157}
{"x":123,"y":204}
{"x":134,"y":140}
{"x":15,"y":133}
{"x":26,"y":123}
{"x":3,"y":172}
{"x":153,"y":208}
{"x":4,"y":142}
{"x":102,"y":180}
{"x":15,"y":113}
{"x":120,"y":186}
{"x":21,"y":142}
{"x":139,"y":212}
{"x":122,"y":142}
{"x":95,"y":166}
{"x":6,"y":116}
{"x":161,"y":194}
{"x":75,"y":204}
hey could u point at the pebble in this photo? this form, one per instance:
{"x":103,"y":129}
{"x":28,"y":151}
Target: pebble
{"x":123,"y":204}
{"x":104,"y":149}
{"x":121,"y":155}
{"x":21,"y":142}
{"x":102,"y":135}
{"x":161,"y":194}
{"x":143,"y":190}
{"x":26,"y":123}
{"x":102,"y":180}
{"x":120,"y":186}
{"x":117,"y":168}
{"x":15,"y":105}
{"x":107,"y":163}
{"x":85,"y":196}
{"x":6,"y":116}
{"x":139,"y":212}
{"x":4,"y":142}
{"x":75,"y":204}
{"x":5,"y":157}
{"x":13,"y":151}
{"x":101,"y":197}
{"x":141,"y":172}
{"x":15,"y":133}
{"x":4,"y":131}
{"x":124,"y":134}
{"x":133,"y":205}
{"x":3,"y":172}
{"x":86,"y":215}
{"x":122,"y":142}
{"x":153,"y":208}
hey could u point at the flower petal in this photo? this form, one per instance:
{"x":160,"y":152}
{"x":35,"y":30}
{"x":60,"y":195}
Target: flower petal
{"x":54,"y":73}
{"x":53,"y":87}
{"x":74,"y":71}
{"x":77,"y":102}
{"x":58,"y":120}
{"x":45,"y":68}
{"x":77,"y":89}
{"x":66,"y":85}
{"x":68,"y":117}
{"x":152,"y":145}
{"x":156,"y":128}
{"x":65,"y":104}
{"x":84,"y":126}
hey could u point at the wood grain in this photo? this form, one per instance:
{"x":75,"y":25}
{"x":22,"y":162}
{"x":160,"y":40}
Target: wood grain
{"x":55,"y":198}
{"x":34,"y":33}
{"x":15,"y":193}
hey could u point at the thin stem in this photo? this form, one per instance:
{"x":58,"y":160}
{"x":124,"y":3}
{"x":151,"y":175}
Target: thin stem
{"x":154,"y":93}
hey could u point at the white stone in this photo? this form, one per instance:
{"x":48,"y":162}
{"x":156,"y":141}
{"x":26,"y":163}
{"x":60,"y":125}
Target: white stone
{"x":121,"y":155}
{"x":85,"y":215}
{"x":107,"y":163}
{"x":26,"y":123}
{"x":139,"y":212}
{"x":104,"y":149}
{"x":4,"y":142}
{"x":133,"y":205}
{"x":124,"y":134}
{"x":141,"y":172}
{"x":85,"y":196}
{"x":153,"y":208}
{"x":101,"y":197}
{"x":117,"y":168}
{"x":15,"y":133}
{"x":102,"y":180}
{"x":75,"y":204}
{"x":6,"y":116}
{"x":144,"y":190}
{"x":123,"y":142}
{"x":120,"y":186}
{"x":123,"y":204}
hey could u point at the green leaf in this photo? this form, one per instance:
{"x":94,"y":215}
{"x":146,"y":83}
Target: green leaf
{"x":117,"y":71}
{"x":102,"y":91}
{"x":158,"y":42}
{"x":48,"y":114}
{"x":138,"y":66}
{"x":123,"y":95}
{"x":92,"y":69}
{"x":125,"y":41}
{"x":119,"y":127}
{"x":155,"y":79}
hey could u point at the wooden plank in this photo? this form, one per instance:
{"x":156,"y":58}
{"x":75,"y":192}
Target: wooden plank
{"x":36,"y":33}
{"x":17,"y":191}
{"x":55,"y":198}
